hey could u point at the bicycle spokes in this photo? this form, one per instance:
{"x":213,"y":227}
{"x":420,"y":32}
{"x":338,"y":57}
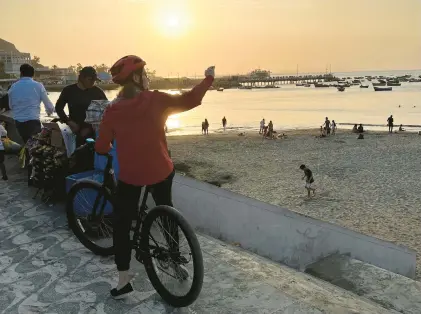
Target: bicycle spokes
{"x":95,"y":221}
{"x":171,"y":254}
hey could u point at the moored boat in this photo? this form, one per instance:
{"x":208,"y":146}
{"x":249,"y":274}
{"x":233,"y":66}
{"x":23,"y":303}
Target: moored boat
{"x":382,"y":89}
{"x":363,"y":86}
{"x":321,"y":85}
{"x":341,"y":88}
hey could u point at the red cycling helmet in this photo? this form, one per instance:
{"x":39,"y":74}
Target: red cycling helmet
{"x":124,"y":67}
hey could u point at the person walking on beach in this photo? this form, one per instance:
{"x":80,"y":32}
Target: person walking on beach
{"x":390,"y":123}
{"x":333,"y":127}
{"x":136,"y":123}
{"x":25,"y":97}
{"x":308,"y":175}
{"x":327,"y":126}
{"x":206,"y":125}
{"x":224,"y":123}
{"x":262,"y":126}
{"x":3,"y":135}
{"x":270,"y":131}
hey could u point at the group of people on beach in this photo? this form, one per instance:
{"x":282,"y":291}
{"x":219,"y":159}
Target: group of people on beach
{"x":328,"y":128}
{"x":205,"y":125}
{"x":267,"y":130}
{"x":358,"y":128}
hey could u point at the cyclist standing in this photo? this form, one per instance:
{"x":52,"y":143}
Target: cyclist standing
{"x":136,"y":120}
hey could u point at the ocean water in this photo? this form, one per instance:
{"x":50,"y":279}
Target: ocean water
{"x":292,"y":107}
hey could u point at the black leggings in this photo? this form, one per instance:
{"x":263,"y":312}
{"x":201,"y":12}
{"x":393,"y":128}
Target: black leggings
{"x":127,"y":203}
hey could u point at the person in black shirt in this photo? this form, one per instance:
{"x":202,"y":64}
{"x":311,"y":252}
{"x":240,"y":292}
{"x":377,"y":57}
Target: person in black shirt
{"x":78,"y":97}
{"x":390,"y":123}
{"x":308,"y":175}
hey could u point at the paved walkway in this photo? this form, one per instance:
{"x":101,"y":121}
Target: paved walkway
{"x":44,"y":269}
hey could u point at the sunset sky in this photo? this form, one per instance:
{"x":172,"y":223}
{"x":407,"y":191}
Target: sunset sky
{"x":185,"y":36}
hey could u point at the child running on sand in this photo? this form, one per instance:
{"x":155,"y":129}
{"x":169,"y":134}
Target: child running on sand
{"x":308,"y":175}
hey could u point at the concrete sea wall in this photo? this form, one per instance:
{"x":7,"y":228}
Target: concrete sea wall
{"x":278,"y":233}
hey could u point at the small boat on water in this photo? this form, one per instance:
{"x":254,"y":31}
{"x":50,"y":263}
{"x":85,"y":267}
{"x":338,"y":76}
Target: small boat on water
{"x":341,"y":88}
{"x":363,"y":86}
{"x":382,"y":89}
{"x":220,"y":89}
{"x":321,"y":85}
{"x":307,"y":85}
{"x":299,"y":84}
{"x":380,"y":83}
{"x":389,"y":83}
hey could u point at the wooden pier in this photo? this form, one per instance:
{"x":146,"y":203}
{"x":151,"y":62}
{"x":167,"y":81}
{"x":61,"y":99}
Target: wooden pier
{"x":274,"y":80}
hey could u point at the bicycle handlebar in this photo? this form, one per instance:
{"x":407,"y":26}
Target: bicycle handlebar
{"x":91,"y":143}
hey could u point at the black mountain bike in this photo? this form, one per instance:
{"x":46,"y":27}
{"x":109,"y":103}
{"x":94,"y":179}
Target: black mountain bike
{"x":156,"y":236}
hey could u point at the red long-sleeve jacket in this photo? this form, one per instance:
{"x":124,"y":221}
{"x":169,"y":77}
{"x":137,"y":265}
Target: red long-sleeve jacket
{"x":137,"y":125}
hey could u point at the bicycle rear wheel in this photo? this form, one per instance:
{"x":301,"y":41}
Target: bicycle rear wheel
{"x":89,"y":213}
{"x":165,"y":238}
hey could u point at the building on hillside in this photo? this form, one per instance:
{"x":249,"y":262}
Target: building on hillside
{"x":13,"y":60}
{"x":54,"y":76}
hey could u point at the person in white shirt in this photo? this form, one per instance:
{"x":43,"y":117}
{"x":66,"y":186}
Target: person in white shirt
{"x":3,"y":134}
{"x":262,"y":126}
{"x":25,"y":97}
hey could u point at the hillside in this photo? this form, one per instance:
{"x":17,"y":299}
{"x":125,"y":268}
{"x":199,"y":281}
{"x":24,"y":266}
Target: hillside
{"x":7,"y":46}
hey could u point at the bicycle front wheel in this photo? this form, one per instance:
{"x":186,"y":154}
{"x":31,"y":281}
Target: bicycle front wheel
{"x":89,"y":213}
{"x":172,"y":256}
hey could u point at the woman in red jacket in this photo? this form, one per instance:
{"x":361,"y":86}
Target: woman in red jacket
{"x":136,"y":120}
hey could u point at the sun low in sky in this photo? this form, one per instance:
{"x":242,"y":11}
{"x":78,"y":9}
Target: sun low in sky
{"x":185,"y":36}
{"x":172,"y":22}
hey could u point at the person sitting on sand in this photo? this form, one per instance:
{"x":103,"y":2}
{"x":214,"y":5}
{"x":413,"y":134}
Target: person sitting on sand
{"x":262,"y":126}
{"x":355,"y":129}
{"x":322,"y":132}
{"x":360,"y":129}
{"x":401,"y":129}
{"x":308,"y":175}
{"x":265,"y":131}
{"x":282,"y":136}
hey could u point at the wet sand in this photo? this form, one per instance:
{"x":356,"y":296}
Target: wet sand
{"x":372,"y":186}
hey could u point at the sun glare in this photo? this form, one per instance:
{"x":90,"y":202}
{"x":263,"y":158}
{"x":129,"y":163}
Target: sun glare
{"x":172,"y":22}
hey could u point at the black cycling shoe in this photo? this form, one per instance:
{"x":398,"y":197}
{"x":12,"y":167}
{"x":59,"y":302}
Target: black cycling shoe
{"x":123,"y":292}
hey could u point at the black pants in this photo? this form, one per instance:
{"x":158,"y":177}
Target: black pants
{"x":2,"y":166}
{"x":127,"y":203}
{"x":26,"y":130}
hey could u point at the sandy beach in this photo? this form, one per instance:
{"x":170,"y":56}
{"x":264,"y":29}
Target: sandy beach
{"x":372,"y":186}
